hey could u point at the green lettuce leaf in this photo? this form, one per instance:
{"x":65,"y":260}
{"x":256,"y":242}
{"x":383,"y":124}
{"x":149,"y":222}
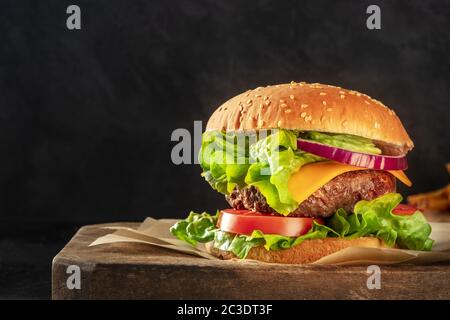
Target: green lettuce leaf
{"x":224,"y":159}
{"x":345,"y":141}
{"x":264,"y":162}
{"x":240,"y":245}
{"x":376,"y":218}
{"x":277,"y":242}
{"x":197,"y":227}
{"x":370,"y":218}
{"x":277,"y":159}
{"x":234,"y":159}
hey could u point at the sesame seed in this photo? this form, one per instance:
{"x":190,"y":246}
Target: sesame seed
{"x":329,"y":109}
{"x":282,"y":101}
{"x":308,"y":118}
{"x":267,"y":102}
{"x":342,"y":92}
{"x":324,"y":103}
{"x":376,"y":125}
{"x":257,"y":95}
{"x":280,"y":123}
{"x":265,"y":97}
{"x":323,"y":93}
{"x":367,"y":102}
{"x":303,"y":106}
{"x":303,"y":114}
{"x":249,"y":101}
{"x":283,"y":105}
{"x":260,"y":123}
{"x":342,"y":96}
{"x":225,"y":108}
{"x":287,"y":111}
{"x":358,"y":94}
{"x":292,"y":97}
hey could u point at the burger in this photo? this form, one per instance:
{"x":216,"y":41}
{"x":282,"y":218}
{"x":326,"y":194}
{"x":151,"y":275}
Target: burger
{"x":307,"y":170}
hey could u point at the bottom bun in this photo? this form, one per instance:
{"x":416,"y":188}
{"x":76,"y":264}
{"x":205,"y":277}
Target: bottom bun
{"x":306,"y":252}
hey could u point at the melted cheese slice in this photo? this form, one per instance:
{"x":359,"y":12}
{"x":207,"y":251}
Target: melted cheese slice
{"x":312,"y":177}
{"x":400,"y":175}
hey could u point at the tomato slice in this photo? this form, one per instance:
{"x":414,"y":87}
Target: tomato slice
{"x":246,"y":221}
{"x":404,"y":210}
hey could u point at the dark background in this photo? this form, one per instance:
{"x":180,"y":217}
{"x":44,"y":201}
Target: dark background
{"x":86,"y":115}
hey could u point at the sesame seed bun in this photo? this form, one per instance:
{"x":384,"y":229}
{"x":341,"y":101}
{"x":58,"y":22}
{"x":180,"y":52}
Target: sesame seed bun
{"x":312,"y":107}
{"x":306,"y":252}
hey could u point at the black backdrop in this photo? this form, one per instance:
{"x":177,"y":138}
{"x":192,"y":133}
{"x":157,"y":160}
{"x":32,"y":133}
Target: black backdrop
{"x":86,"y":116}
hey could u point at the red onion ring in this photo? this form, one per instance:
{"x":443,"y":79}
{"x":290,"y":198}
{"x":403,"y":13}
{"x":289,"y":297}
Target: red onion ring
{"x":358,"y":159}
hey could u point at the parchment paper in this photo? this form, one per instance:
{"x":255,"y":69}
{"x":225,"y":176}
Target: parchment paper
{"x":156,"y":232}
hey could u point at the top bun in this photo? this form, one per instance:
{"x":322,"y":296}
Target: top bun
{"x":311,"y":107}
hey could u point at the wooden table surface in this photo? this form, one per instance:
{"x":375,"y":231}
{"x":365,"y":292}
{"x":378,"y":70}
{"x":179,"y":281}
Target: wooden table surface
{"x":141,"y":271}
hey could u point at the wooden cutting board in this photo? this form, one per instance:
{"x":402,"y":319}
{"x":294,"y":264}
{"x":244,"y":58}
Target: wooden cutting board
{"x":141,"y":271}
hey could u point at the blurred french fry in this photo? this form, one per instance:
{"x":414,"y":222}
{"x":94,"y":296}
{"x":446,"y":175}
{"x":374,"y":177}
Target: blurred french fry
{"x":448,"y":167}
{"x":448,"y":192}
{"x":438,"y":200}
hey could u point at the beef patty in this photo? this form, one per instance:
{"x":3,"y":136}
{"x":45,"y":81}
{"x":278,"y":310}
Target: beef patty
{"x":341,"y":192}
